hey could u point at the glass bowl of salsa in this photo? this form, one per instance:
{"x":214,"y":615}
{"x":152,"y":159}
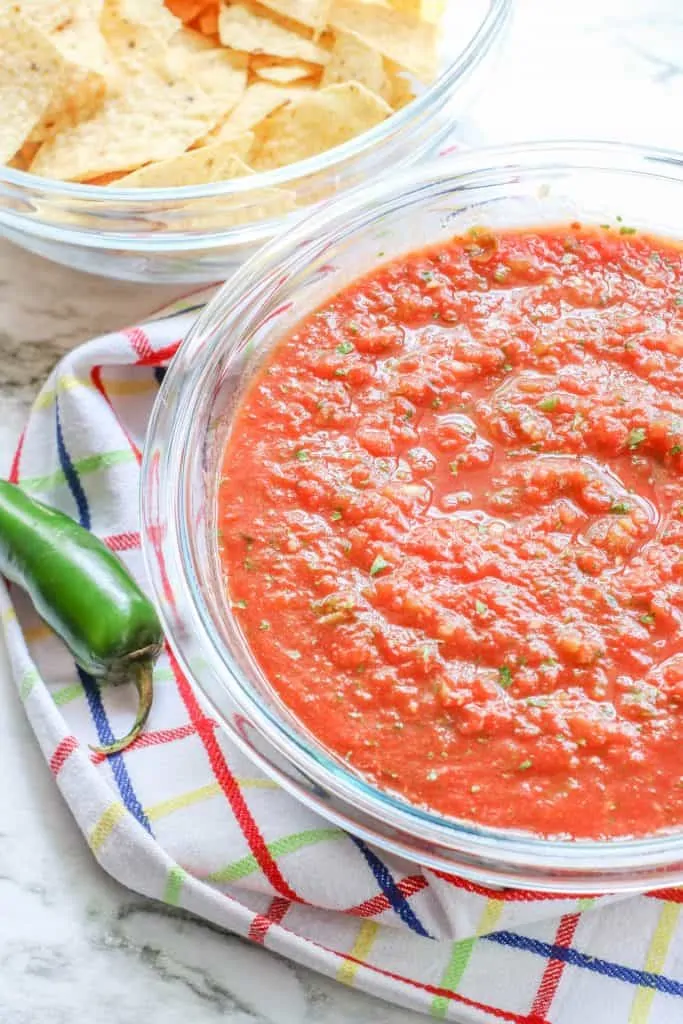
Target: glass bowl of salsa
{"x":202,"y":233}
{"x":413,"y":512}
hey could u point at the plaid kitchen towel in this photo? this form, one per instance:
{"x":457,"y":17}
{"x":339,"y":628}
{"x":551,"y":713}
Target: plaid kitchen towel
{"x":184,"y":817}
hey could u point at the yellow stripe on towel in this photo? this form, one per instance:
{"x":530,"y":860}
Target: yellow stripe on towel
{"x":106,"y":825}
{"x":656,"y":955}
{"x":367,"y":933}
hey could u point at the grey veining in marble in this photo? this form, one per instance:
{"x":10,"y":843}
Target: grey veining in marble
{"x":75,"y":946}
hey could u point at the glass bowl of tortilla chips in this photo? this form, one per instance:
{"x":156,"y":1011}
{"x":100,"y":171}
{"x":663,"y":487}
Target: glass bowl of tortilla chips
{"x":165,"y":140}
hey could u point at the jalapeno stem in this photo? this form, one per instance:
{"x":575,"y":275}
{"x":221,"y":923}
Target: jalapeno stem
{"x":142,"y":673}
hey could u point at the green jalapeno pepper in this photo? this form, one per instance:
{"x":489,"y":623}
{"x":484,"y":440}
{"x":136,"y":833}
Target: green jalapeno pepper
{"x":84,"y":593}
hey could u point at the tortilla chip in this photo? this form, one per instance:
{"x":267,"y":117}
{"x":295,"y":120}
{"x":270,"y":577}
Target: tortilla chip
{"x":187,"y":42}
{"x":199,"y":167}
{"x":32,"y":70}
{"x":316,"y":122}
{"x":406,"y":40}
{"x":224,"y":212}
{"x":186,"y":10}
{"x":208,"y":21}
{"x":138,"y":37}
{"x":74,"y":28}
{"x":105,"y":179}
{"x":398,"y":90}
{"x":311,"y":13}
{"x":135,"y":48}
{"x":153,"y":118}
{"x":425,"y":10}
{"x":215,"y":72}
{"x":241,"y":29}
{"x":151,"y":14}
{"x":187,"y":45}
{"x":81,"y":94}
{"x":228,"y":86}
{"x":267,"y":202}
{"x":21,"y":160}
{"x":282,"y":74}
{"x":410,"y":7}
{"x":259,"y":100}
{"x":433,"y":10}
{"x":352,"y":60}
{"x":47,"y":15}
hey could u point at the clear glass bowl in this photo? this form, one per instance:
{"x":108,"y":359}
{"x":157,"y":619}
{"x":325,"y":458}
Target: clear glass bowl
{"x":203,"y":233}
{"x":514,"y":186}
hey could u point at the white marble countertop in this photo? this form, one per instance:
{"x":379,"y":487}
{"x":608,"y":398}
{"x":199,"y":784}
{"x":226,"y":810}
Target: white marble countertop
{"x":74,"y":945}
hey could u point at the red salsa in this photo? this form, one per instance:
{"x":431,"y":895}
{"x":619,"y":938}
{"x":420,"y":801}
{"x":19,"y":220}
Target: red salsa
{"x":451,"y":520}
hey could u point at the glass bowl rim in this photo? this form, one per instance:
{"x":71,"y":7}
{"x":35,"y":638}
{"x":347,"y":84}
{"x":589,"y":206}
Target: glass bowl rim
{"x":477,"y":47}
{"x":249,"y":284}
